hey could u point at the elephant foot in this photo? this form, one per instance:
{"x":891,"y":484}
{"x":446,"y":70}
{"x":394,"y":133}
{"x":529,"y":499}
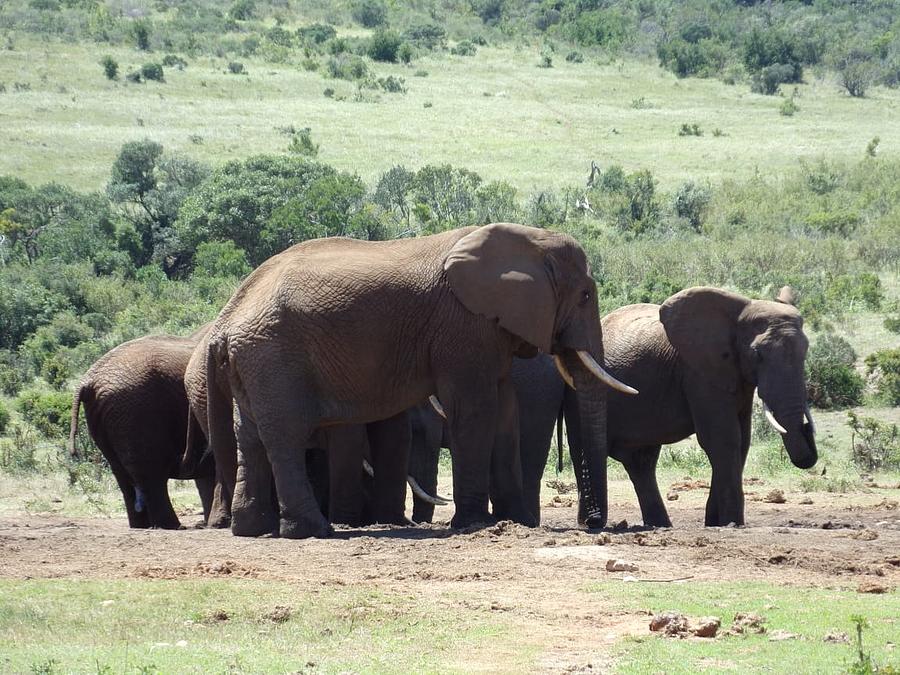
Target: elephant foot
{"x":519,"y":515}
{"x":218,"y":521}
{"x":424,"y":515}
{"x":464,"y":520}
{"x":657,"y":522}
{"x":312,"y":525}
{"x":248,"y":522}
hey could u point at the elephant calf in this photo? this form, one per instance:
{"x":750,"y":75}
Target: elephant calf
{"x":137,"y":414}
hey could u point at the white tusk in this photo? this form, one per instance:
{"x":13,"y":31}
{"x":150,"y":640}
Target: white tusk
{"x":438,"y":408}
{"x":424,"y":496}
{"x":770,"y":418}
{"x":368,"y":468}
{"x":563,"y":371}
{"x":808,"y":414}
{"x":602,"y":375}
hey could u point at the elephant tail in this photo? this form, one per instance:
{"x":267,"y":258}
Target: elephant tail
{"x":81,"y":394}
{"x":559,"y":447}
{"x":192,"y":456}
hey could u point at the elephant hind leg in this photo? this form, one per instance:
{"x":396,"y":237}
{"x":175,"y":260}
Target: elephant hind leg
{"x":640,"y":463}
{"x":389,"y":441}
{"x":158,"y":505}
{"x":252,"y":513}
{"x":138,"y":517}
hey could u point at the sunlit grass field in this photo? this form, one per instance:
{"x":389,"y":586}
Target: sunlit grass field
{"x":496,"y":113}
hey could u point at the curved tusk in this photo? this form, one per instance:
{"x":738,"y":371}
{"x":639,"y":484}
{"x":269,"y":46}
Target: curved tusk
{"x":563,"y":371}
{"x":438,"y":408}
{"x":424,"y":496}
{"x":808,"y":414}
{"x":368,"y":468}
{"x":770,"y":418}
{"x":597,"y":370}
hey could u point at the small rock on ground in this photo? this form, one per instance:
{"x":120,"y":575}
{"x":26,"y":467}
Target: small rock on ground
{"x":620,"y":566}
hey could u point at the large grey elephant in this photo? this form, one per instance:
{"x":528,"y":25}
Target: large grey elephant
{"x":137,"y":414}
{"x":696,"y":360}
{"x":340,"y":331}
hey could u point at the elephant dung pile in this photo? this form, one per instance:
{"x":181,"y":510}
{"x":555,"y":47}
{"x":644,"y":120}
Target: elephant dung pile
{"x":675,"y":624}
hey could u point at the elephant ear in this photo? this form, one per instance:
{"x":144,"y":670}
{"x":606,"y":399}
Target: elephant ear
{"x":702,"y":323}
{"x":787,"y":296}
{"x":501,"y":271}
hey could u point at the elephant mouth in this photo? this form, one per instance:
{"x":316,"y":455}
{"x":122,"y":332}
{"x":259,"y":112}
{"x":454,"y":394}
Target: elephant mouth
{"x":800,"y":445}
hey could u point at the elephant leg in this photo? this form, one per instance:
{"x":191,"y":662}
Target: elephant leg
{"x":389,"y":442}
{"x":137,"y":519}
{"x":472,"y":415}
{"x":317,"y":470}
{"x":346,"y":450}
{"x":640,"y":463}
{"x":507,"y":494}
{"x":220,"y":508}
{"x":725,"y":504}
{"x":206,"y":487}
{"x":424,"y":455}
{"x":159,"y":506}
{"x":252,"y":514}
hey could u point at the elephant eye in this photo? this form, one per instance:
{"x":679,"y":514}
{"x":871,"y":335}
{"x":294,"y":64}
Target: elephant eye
{"x":585,"y":297}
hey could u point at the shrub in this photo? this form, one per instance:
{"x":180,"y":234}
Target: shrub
{"x":575,"y":57}
{"x":392,"y":85}
{"x":464,"y":48}
{"x":773,"y":49}
{"x":369,"y":13}
{"x":302,"y":143}
{"x":174,"y":61}
{"x":316,"y":33}
{"x":110,"y":67}
{"x":236,"y":68}
{"x":684,"y":58}
{"x":853,"y":290}
{"x":883,"y":369}
{"x":769,"y":79}
{"x":857,"y":71}
{"x":153,"y":71}
{"x":691,"y":201}
{"x":875,"y":445}
{"x":220,"y":259}
{"x":242,"y":10}
{"x":134,"y":76}
{"x":405,"y":53}
{"x":489,"y":11}
{"x":831,"y":380}
{"x":48,"y":412}
{"x":426,"y":36}
{"x":346,"y":67}
{"x":4,"y":418}
{"x":445,"y":196}
{"x":384,"y":46}
{"x":17,"y":454}
{"x":140,"y":31}
{"x":690,"y":130}
{"x":788,"y":107}
{"x":601,"y":28}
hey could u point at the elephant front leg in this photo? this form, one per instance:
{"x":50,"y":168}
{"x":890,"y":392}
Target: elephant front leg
{"x":640,"y":463}
{"x":251,"y":507}
{"x":507,"y":493}
{"x":472,"y":418}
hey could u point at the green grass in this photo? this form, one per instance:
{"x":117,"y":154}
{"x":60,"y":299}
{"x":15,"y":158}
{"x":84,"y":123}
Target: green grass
{"x":808,"y":612}
{"x":169,"y":626}
{"x":496,"y":113}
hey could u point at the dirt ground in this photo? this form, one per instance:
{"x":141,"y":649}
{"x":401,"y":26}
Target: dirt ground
{"x":840,"y":541}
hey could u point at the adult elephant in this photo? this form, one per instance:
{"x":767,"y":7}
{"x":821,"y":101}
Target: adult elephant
{"x":137,"y":414}
{"x":339,"y":331}
{"x":696,"y":360}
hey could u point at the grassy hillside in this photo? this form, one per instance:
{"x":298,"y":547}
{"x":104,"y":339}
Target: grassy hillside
{"x":495,"y":112}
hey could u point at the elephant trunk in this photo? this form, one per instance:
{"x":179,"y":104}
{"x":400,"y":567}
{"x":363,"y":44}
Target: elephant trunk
{"x":792,"y":415}
{"x":593,"y":507}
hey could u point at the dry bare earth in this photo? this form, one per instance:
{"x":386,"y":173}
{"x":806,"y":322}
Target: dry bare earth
{"x":538,"y":578}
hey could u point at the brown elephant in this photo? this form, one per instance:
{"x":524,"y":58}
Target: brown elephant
{"x":338,"y":331}
{"x":137,"y":414}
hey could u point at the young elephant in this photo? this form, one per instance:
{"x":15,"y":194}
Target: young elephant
{"x":338,"y":331}
{"x":137,"y":413}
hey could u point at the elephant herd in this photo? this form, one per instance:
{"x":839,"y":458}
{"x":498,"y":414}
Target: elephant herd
{"x":339,"y":368}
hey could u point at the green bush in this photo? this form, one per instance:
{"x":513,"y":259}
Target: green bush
{"x":405,"y":53}
{"x":369,"y":13}
{"x":4,"y":418}
{"x":876,"y":445}
{"x":48,"y":412}
{"x":426,"y":36}
{"x":464,"y":48}
{"x":153,"y":71}
{"x":392,"y":85}
{"x":691,"y":201}
{"x":17,"y":453}
{"x":768,"y":80}
{"x":316,"y":33}
{"x":302,"y":143}
{"x":236,"y":68}
{"x":883,"y":369}
{"x":347,"y":67}
{"x":242,"y":10}
{"x":384,"y":45}
{"x":174,"y":61}
{"x":831,"y":380}
{"x":220,"y":259}
{"x":140,"y":31}
{"x":110,"y":67}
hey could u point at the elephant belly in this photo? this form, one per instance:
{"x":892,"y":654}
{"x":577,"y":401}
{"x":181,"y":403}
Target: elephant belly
{"x":634,"y":423}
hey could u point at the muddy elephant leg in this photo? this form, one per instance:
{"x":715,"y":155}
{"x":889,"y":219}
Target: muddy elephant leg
{"x":318,"y":472}
{"x":138,"y":519}
{"x":719,"y":434}
{"x":507,"y":493}
{"x":640,"y":463}
{"x":346,"y":451}
{"x":159,"y":506}
{"x":252,"y":514}
{"x":206,"y":488}
{"x":472,"y":416}
{"x":389,"y":442}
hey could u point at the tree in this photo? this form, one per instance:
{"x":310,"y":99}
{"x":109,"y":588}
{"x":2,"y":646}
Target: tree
{"x":384,"y":46}
{"x":857,"y":70}
{"x":445,"y":196}
{"x":393,"y":193}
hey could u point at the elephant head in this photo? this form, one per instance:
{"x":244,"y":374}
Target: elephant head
{"x":732,"y":340}
{"x":537,"y":285}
